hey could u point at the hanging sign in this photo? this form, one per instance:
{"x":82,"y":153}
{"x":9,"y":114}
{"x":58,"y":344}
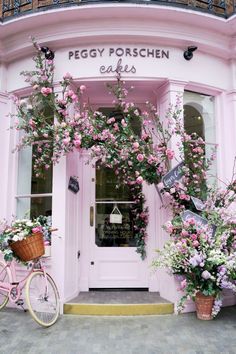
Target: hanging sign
{"x":173,"y":175}
{"x":116,"y":216}
{"x":200,"y":221}
{"x":198,"y":203}
{"x":73,"y":184}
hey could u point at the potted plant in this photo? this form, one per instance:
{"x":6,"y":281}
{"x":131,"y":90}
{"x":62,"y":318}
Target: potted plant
{"x":203,"y":256}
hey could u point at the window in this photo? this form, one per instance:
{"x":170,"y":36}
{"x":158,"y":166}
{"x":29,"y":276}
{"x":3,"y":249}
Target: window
{"x":34,"y":195}
{"x":199,"y":118}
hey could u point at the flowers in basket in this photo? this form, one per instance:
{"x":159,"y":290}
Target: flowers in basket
{"x":202,"y":256}
{"x":19,"y":230}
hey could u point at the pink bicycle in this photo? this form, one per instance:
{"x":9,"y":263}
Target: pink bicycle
{"x":40,"y":291}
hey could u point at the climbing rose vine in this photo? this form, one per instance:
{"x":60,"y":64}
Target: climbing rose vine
{"x":56,"y":124}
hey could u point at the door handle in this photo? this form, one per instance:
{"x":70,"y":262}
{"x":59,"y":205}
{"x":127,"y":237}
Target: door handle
{"x":91,"y":215}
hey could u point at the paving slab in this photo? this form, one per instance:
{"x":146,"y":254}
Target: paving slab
{"x":169,"y":334}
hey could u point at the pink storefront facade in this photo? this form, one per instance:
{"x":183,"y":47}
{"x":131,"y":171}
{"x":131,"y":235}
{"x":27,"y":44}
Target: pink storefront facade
{"x":146,"y":43}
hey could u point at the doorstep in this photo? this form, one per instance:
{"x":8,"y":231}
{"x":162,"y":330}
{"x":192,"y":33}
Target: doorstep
{"x":118,"y":303}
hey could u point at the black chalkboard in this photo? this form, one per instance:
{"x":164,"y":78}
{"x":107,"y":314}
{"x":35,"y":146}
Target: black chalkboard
{"x":187,"y":214}
{"x":73,"y":185}
{"x":173,"y":175}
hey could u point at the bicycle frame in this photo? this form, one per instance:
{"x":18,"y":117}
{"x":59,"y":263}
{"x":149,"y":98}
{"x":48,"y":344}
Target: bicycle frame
{"x":14,"y":287}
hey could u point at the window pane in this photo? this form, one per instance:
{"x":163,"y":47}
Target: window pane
{"x":109,"y":234}
{"x":107,"y":187}
{"x":199,"y":118}
{"x":33,"y":207}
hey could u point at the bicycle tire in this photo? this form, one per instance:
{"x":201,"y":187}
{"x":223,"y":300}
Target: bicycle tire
{"x":4,"y":277}
{"x":44,"y":308}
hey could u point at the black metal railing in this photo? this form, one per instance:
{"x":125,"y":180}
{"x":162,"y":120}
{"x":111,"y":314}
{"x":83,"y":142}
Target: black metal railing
{"x":9,"y":8}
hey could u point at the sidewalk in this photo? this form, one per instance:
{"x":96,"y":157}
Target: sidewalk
{"x":166,"y":334}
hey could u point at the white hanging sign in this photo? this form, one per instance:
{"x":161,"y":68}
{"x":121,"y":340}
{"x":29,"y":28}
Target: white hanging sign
{"x":116,"y":216}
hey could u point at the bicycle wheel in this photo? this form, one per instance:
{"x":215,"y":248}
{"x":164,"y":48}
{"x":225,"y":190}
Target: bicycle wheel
{"x":42,"y":298}
{"x":4,"y":277}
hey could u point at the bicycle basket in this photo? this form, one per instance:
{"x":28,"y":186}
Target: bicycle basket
{"x":30,"y":248}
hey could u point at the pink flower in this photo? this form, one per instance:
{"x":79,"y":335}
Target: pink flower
{"x":183,"y":284}
{"x":139,"y":180}
{"x":32,"y":123}
{"x":66,"y":141}
{"x":77,"y":143}
{"x":195,"y":243}
{"x":124,"y":124}
{"x":74,"y":98}
{"x":111,"y":120}
{"x":45,"y":91}
{"x":140,"y":157}
{"x":37,"y":229}
{"x":67,"y":76}
{"x":82,"y":88}
{"x":170,"y":154}
{"x":135,"y":145}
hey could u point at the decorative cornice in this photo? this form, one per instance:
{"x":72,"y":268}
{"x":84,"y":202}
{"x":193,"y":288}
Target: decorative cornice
{"x":118,"y":23}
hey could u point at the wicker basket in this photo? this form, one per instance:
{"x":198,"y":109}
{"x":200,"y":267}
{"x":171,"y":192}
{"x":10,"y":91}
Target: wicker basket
{"x":30,"y":248}
{"x":204,"y":306}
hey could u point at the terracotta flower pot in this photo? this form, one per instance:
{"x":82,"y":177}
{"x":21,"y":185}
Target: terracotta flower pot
{"x":204,"y":306}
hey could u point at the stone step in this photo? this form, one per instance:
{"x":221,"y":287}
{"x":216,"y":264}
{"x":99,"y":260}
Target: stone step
{"x":118,"y":303}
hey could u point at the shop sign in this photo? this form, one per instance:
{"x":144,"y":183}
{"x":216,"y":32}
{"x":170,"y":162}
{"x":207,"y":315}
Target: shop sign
{"x":173,"y":175}
{"x":199,"y":220}
{"x":121,"y":53}
{"x":73,"y":184}
{"x":199,"y":205}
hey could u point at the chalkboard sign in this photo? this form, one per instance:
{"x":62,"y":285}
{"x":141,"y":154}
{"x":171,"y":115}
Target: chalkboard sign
{"x":73,"y":185}
{"x":173,"y":175}
{"x":187,"y":214}
{"x":200,"y":221}
{"x":199,"y":205}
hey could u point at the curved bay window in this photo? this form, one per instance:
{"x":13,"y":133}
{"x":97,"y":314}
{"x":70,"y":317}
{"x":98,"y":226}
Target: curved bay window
{"x":199,"y":119}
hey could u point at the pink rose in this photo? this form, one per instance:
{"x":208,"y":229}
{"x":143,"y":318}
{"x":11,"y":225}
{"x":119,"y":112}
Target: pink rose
{"x":139,"y":180}
{"x":77,"y":143}
{"x":135,"y":145}
{"x":67,"y":76}
{"x":82,"y":88}
{"x":140,"y":157}
{"x":124,"y":124}
{"x":183,"y":284}
{"x":37,"y":229}
{"x":170,"y":154}
{"x":45,"y":91}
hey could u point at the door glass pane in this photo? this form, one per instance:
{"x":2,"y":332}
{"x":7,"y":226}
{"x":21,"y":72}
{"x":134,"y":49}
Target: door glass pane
{"x":111,"y":232}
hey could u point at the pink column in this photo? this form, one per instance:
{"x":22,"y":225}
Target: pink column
{"x":168,"y":285}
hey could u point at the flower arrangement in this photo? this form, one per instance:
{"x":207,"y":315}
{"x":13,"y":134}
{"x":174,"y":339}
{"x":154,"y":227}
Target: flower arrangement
{"x":135,"y":154}
{"x":205,"y":260}
{"x":19,"y":230}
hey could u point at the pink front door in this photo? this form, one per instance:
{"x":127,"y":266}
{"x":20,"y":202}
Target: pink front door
{"x":114,"y":262}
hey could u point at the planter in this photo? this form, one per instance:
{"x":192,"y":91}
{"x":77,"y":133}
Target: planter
{"x":204,"y":306}
{"x":30,"y":248}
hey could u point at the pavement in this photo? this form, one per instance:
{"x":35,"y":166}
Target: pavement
{"x":163,"y":334}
